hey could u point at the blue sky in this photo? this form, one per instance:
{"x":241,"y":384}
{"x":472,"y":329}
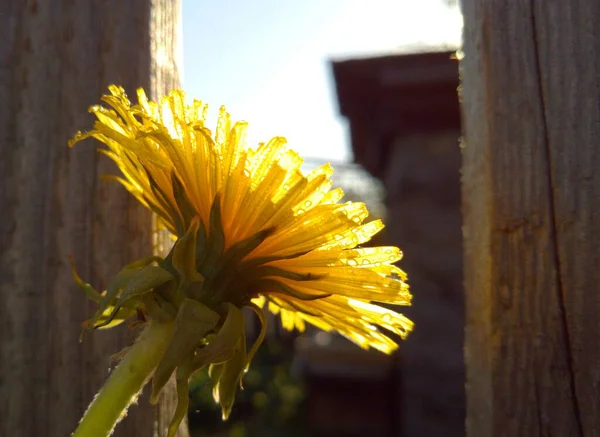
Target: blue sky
{"x":268,"y":60}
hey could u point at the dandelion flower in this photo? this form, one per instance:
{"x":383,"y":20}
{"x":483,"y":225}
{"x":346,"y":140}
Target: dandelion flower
{"x":251,"y":230}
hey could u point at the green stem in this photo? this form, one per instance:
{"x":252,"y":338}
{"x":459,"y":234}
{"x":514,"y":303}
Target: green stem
{"x":125,"y":382}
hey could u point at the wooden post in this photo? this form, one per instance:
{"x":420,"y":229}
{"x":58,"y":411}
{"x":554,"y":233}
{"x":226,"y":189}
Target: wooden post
{"x":531,"y":204}
{"x":56,"y":59}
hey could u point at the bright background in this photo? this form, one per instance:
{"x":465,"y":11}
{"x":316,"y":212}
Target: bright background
{"x":268,"y":61}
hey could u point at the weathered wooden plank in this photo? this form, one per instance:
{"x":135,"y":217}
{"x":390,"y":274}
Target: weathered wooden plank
{"x":56,"y":59}
{"x":531,"y":204}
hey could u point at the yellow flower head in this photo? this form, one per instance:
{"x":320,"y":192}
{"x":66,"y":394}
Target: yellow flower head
{"x":250,"y":229}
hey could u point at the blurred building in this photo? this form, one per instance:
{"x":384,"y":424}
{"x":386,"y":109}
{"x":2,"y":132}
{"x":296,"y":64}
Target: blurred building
{"x":405,"y":127}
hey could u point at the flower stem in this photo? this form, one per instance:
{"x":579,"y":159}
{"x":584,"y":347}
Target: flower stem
{"x":125,"y":382}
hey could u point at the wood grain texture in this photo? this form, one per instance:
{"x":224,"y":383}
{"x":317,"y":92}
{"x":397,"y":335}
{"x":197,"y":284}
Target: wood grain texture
{"x":56,"y":59}
{"x":531,"y":205}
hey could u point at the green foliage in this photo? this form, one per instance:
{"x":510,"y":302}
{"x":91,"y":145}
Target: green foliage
{"x":271,"y":404}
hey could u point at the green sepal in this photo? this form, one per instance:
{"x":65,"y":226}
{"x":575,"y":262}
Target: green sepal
{"x":255,"y":262}
{"x":261,"y":336}
{"x":158,"y":308}
{"x":295,"y":307}
{"x":227,"y":375}
{"x":110,"y":297}
{"x":147,"y":279}
{"x":183,"y":255}
{"x":214,"y":373}
{"x":183,"y":396}
{"x":280,"y":287}
{"x":167,"y":205}
{"x":222,"y":346}
{"x":268,"y":270}
{"x":162,"y":216}
{"x":233,"y":256}
{"x":200,"y":246}
{"x":87,"y":288}
{"x":233,"y":371}
{"x":215,"y":243}
{"x":194,"y":321}
{"x":140,"y":263}
{"x":138,"y":284}
{"x":103,"y":322}
{"x":185,"y":207}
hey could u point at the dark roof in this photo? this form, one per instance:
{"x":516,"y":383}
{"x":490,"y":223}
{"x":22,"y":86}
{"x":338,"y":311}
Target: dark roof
{"x":390,"y":95}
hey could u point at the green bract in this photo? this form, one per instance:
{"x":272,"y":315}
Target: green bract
{"x":190,"y":288}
